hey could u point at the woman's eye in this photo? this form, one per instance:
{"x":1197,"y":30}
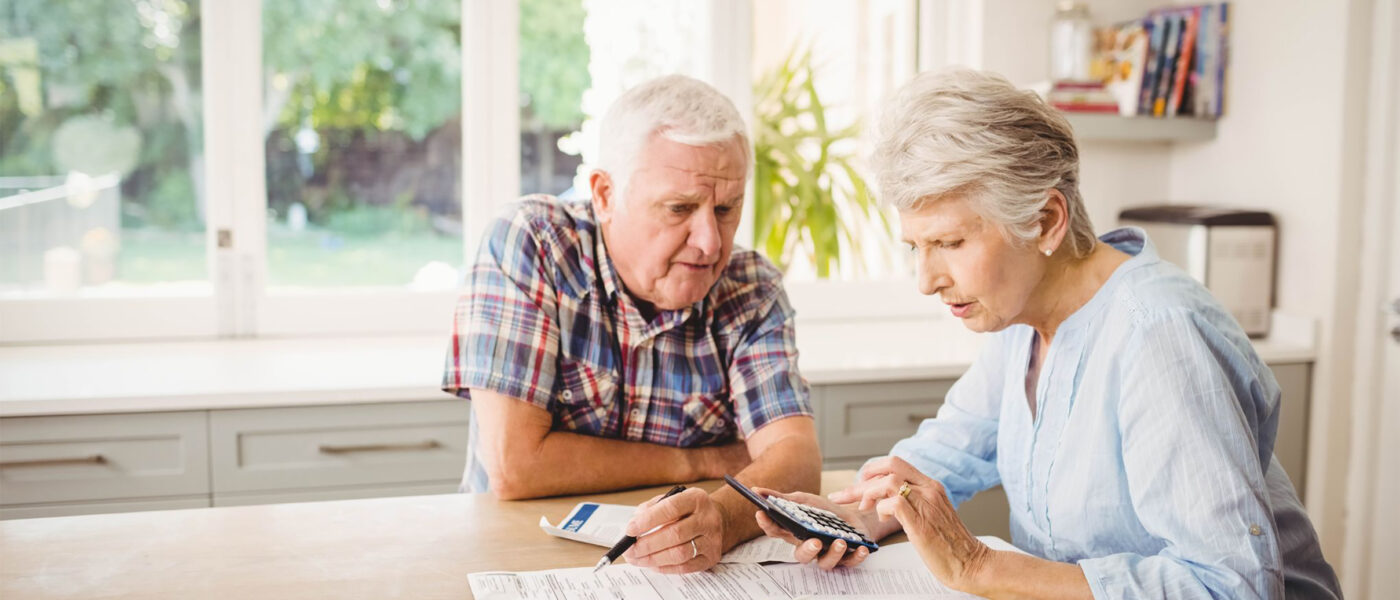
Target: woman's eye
{"x":952,"y":245}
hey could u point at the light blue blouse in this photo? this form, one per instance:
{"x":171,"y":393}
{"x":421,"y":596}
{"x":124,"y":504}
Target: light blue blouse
{"x":1150,"y":458}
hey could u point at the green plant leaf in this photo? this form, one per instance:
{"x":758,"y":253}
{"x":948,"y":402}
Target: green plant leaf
{"x":808,"y":197}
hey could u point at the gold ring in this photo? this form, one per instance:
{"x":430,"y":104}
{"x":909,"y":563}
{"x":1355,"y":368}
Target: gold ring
{"x":694,"y":550}
{"x":904,"y":490}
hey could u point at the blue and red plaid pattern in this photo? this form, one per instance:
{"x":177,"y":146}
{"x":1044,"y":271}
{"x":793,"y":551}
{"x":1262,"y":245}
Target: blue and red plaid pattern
{"x":546,"y":320}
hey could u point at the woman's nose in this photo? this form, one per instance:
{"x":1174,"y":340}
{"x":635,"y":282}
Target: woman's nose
{"x":931,"y":276}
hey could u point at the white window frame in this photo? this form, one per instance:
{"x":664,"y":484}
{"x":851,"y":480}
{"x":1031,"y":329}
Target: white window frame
{"x":239,"y":305}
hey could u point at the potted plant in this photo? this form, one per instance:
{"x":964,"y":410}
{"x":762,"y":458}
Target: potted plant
{"x":808,"y":195}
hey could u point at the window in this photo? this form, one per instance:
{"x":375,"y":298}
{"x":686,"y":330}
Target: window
{"x":554,"y":61}
{"x":101,"y":150}
{"x":362,"y":124}
{"x":303,"y":167}
{"x":298,"y":166}
{"x":584,"y":55}
{"x":823,"y":68}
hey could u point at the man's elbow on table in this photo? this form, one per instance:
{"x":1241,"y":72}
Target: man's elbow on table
{"x":508,"y":481}
{"x":512,"y":470}
{"x":512,"y":433}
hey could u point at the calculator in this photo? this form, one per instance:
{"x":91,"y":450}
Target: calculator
{"x":805,"y":522}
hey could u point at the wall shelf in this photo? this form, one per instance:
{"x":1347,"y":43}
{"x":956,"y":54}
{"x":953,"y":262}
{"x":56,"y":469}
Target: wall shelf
{"x":1114,"y":128}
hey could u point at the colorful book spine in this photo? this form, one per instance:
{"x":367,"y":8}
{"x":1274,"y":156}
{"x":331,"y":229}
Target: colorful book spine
{"x":1156,"y":31}
{"x":1133,"y":61}
{"x":1165,"y":76}
{"x":1191,"y":19}
{"x":1202,"y":75}
{"x":1223,"y":35}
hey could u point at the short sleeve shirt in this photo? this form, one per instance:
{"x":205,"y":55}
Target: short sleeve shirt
{"x":547,"y":321}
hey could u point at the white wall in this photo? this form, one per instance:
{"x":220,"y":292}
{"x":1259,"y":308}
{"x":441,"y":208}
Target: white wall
{"x":1288,"y":145}
{"x":1113,"y":175}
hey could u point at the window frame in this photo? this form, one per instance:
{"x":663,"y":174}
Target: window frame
{"x":239,"y":304}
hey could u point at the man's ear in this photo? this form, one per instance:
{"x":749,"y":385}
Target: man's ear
{"x":600,"y":184}
{"x":1054,"y":220}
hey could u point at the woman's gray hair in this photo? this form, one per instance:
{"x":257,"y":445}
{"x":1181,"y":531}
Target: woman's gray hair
{"x":681,"y":109}
{"x":971,"y":133}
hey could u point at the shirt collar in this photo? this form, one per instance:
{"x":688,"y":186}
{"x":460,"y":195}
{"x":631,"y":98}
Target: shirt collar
{"x":611,"y":284}
{"x":1132,"y":241}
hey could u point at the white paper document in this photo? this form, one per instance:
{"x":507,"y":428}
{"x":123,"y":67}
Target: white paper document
{"x":762,"y":549}
{"x":592,"y":523}
{"x":894,"y":571}
{"x":626,"y":582}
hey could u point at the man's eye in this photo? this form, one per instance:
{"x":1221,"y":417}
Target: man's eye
{"x":678,"y":209}
{"x":952,"y":245}
{"x":911,"y":248}
{"x":724,"y":210}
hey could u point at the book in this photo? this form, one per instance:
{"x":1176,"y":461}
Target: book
{"x":1121,"y":58}
{"x":1156,"y":31}
{"x":1190,"y":20}
{"x":1223,"y":40}
{"x":1166,"y":70}
{"x":1082,"y":97}
{"x":1200,"y":84}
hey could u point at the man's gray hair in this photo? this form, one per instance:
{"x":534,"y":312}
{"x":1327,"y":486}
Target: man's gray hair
{"x":681,"y":109}
{"x":971,"y":133}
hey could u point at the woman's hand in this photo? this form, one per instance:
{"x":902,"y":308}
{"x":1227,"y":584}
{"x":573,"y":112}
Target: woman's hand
{"x":920,"y":504}
{"x":811,"y":550}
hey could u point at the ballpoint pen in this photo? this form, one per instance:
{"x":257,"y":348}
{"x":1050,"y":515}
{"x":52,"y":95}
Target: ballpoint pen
{"x":626,"y":542}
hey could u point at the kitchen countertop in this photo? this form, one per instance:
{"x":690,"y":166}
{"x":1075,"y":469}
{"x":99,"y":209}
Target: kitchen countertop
{"x":202,"y":375}
{"x":419,"y":547}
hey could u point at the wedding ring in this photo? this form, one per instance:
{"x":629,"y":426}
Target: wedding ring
{"x":904,"y":490}
{"x":694,"y":550}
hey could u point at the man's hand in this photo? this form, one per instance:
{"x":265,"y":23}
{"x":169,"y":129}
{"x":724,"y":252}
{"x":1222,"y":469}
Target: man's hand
{"x":690,"y":537}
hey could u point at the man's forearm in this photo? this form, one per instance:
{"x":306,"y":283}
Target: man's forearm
{"x":790,"y":464}
{"x":564,"y":463}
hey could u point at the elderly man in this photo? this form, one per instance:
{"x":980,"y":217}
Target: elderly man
{"x":622,"y":342}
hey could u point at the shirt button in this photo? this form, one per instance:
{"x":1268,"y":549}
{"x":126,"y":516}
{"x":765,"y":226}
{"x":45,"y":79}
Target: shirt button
{"x":568,"y":394}
{"x":636,"y":413}
{"x":1255,"y":530}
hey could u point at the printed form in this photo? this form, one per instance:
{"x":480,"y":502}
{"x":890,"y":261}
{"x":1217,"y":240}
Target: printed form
{"x":626,"y":582}
{"x":893,"y":572}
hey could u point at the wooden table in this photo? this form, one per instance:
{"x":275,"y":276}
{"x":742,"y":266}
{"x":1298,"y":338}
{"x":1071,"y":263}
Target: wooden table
{"x":411,"y":547}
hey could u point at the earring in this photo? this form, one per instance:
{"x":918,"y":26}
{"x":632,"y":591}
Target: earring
{"x":1048,"y":251}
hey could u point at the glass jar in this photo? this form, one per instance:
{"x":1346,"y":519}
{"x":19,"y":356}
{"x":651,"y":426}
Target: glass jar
{"x":1071,"y":42}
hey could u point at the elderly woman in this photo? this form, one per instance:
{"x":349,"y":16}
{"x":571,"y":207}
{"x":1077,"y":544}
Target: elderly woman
{"x":1123,"y":410}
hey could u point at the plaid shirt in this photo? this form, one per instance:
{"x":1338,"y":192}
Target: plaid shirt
{"x":547,"y":321}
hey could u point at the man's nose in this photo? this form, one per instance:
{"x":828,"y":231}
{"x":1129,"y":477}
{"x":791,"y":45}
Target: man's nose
{"x":704,"y":233}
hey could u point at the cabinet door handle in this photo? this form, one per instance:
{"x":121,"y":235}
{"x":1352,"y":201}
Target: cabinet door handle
{"x":423,"y":445}
{"x":96,"y":459}
{"x":920,"y":418}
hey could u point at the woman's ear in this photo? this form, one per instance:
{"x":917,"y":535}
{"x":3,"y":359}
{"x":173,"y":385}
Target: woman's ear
{"x":600,"y":184}
{"x":1054,"y":222}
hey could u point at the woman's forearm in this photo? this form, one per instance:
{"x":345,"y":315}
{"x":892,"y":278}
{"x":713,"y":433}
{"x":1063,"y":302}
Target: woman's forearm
{"x":1013,"y":576}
